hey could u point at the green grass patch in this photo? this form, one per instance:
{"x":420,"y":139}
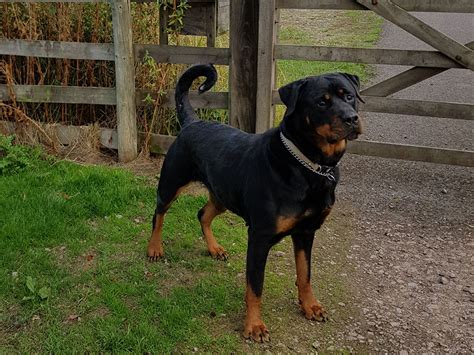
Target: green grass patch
{"x":74,"y":274}
{"x":80,"y":233}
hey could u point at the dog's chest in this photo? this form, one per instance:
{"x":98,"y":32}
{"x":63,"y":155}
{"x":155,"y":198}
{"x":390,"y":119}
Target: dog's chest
{"x":308,"y":219}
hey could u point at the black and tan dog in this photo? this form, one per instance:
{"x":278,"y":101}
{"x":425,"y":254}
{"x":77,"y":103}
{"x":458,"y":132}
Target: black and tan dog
{"x":280,"y":182}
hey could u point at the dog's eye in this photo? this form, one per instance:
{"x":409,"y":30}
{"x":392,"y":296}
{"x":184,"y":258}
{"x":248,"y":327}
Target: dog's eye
{"x":349,"y":97}
{"x":322,"y":103}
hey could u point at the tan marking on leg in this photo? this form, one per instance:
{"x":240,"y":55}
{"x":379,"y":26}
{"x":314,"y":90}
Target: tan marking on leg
{"x":308,"y":303}
{"x":210,"y":212}
{"x":285,"y":223}
{"x":254,"y":327}
{"x":155,"y":247}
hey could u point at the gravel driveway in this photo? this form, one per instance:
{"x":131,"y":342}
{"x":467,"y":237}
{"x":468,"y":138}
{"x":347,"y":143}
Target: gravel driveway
{"x":412,"y":250}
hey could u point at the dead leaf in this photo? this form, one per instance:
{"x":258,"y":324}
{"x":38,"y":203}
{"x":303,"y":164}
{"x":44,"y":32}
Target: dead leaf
{"x":73,"y":318}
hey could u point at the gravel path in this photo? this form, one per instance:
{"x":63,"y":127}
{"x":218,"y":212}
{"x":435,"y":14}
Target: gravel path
{"x":413,"y":250}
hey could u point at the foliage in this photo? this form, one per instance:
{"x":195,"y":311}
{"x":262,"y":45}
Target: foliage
{"x":15,"y":158}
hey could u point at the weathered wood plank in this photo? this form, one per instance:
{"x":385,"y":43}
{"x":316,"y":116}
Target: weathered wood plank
{"x":182,"y":54}
{"x":411,"y":107}
{"x":60,"y":94}
{"x":163,"y":23}
{"x":124,"y":81}
{"x":103,"y":96}
{"x":243,"y":66}
{"x":55,"y":49}
{"x":422,"y":31}
{"x":401,"y":81}
{"x":160,"y":144}
{"x":213,"y":100}
{"x":459,"y":6}
{"x":266,"y":66}
{"x":404,"y":80}
{"x":412,"y":152}
{"x":366,"y":55}
{"x":466,"y":6}
{"x":418,"y":108}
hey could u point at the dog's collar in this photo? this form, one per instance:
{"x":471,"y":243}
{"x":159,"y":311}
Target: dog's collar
{"x":326,"y":171}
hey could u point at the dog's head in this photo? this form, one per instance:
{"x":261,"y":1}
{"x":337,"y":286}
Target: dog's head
{"x":325,"y":106}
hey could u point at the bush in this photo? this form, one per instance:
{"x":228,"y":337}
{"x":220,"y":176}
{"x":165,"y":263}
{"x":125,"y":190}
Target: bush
{"x":15,"y":158}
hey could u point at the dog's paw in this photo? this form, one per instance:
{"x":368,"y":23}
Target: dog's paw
{"x":314,"y":312}
{"x":218,"y":253}
{"x":256,"y":331}
{"x":154,"y":253}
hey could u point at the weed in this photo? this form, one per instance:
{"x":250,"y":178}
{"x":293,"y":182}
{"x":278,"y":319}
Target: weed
{"x":15,"y":158}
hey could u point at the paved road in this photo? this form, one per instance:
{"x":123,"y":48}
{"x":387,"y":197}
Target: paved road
{"x":413,"y":221}
{"x":455,"y":85}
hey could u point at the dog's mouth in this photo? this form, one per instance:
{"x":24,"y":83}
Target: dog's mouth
{"x":353,"y":135}
{"x":354,"y":131}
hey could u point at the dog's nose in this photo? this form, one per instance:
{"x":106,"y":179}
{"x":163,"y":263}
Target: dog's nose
{"x":351,"y":119}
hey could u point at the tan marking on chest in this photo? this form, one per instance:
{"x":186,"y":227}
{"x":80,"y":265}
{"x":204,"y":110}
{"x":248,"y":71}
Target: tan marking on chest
{"x":333,"y":149}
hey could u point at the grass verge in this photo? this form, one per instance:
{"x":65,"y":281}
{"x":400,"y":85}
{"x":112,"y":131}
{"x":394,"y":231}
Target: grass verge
{"x":74,"y":274}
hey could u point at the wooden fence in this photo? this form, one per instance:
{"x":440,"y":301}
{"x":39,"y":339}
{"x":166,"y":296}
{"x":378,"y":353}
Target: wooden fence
{"x":251,"y":56}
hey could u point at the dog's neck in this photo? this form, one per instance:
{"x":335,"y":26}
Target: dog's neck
{"x":310,"y":145}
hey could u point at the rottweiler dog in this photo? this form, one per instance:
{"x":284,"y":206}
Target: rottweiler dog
{"x":281,"y":182}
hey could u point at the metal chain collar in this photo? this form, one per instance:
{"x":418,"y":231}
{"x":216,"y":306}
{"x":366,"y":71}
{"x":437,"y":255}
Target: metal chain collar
{"x":326,"y":171}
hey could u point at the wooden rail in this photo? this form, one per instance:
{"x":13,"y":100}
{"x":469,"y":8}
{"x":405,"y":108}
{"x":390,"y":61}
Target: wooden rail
{"x":251,"y":78}
{"x":102,"y":96}
{"x":460,"y":6}
{"x":160,"y":144}
{"x":366,"y":55}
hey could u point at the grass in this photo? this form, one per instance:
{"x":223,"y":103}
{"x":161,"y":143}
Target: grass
{"x":74,"y":274}
{"x":73,"y":270}
{"x":81,"y":232}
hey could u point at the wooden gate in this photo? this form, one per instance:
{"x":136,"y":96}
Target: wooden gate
{"x":253,"y":52}
{"x":425,"y":64}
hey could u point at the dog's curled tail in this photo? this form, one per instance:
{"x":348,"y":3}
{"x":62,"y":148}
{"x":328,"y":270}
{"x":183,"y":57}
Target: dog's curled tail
{"x":184,"y":109}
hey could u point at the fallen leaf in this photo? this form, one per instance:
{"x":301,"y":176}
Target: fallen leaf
{"x":73,"y":318}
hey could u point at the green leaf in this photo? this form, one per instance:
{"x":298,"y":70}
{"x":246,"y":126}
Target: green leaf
{"x":28,"y":298}
{"x":30,"y":284}
{"x":44,"y":292}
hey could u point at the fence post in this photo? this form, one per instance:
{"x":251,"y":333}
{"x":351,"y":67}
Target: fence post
{"x":243,"y":63}
{"x":266,"y":65}
{"x":124,"y":80}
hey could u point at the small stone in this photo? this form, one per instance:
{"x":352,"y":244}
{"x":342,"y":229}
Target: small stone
{"x":444,"y":191}
{"x":443,"y":280}
{"x":316,"y":344}
{"x":341,"y":304}
{"x":15,"y":274}
{"x":195,"y":350}
{"x":331,"y":348}
{"x":403,"y":352}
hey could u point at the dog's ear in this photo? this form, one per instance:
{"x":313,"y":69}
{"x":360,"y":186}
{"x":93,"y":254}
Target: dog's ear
{"x":289,"y":94}
{"x":355,"y":82}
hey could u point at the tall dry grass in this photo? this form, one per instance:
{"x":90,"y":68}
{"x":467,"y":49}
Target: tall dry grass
{"x":91,"y":23}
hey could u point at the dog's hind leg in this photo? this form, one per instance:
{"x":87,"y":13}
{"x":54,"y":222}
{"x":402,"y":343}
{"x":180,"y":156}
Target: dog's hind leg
{"x":175,"y":175}
{"x":205,"y":216}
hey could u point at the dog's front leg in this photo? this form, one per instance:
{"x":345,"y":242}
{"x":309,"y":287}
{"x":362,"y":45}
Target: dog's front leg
{"x":310,"y":306}
{"x":257,"y":253}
